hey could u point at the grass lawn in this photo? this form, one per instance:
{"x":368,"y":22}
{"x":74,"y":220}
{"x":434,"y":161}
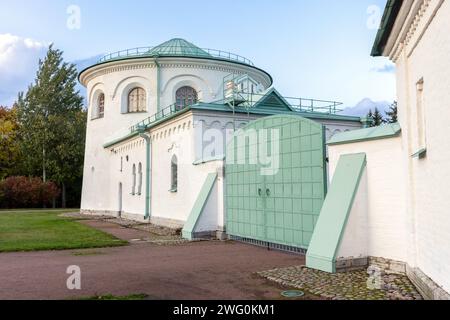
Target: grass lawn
{"x":33,"y":230}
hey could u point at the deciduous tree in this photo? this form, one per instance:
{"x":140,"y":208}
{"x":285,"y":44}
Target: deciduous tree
{"x":9,"y":147}
{"x":52,"y":123}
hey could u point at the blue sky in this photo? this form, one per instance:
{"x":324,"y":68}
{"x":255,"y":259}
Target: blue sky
{"x":312,"y":48}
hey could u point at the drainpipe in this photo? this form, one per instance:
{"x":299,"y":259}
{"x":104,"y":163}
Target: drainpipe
{"x":158,"y":84}
{"x":148,"y":171}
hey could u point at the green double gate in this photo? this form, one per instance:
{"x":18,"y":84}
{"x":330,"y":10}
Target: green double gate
{"x":276,"y":181}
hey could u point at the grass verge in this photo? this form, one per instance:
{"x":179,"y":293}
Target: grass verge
{"x":35,"y":230}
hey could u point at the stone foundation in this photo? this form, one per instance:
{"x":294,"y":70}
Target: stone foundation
{"x":101,"y":213}
{"x":351,"y":264}
{"x":360,"y":263}
{"x":387,"y":265}
{"x":427,"y":287}
{"x":168,"y":223}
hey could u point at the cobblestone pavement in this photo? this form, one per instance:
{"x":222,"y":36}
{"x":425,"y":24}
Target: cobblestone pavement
{"x":344,"y":286}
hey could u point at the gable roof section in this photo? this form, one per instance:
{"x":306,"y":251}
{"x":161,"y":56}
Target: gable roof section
{"x":272,"y":100}
{"x":387,"y":23}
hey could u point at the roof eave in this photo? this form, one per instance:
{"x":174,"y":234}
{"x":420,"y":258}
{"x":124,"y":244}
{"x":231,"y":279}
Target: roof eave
{"x":175,"y":56}
{"x":387,"y":24}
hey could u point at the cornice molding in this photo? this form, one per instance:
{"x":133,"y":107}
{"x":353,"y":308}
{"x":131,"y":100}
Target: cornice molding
{"x":121,"y":66}
{"x":417,"y":27}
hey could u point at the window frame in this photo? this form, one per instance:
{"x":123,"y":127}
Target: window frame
{"x":185,"y":99}
{"x":140,"y":92}
{"x":101,"y":105}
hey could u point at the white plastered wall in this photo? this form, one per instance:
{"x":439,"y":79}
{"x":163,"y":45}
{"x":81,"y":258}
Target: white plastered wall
{"x":379,"y":211}
{"x":355,"y":239}
{"x":421,"y":53}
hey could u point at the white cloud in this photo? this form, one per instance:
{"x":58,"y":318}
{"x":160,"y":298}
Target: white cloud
{"x":18,"y":64}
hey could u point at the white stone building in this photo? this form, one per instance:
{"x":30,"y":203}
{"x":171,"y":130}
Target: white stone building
{"x":158,"y":123}
{"x":397,"y":214}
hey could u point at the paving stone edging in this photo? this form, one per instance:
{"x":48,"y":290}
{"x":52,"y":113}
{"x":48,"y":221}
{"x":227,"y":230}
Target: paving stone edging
{"x":344,"y":286}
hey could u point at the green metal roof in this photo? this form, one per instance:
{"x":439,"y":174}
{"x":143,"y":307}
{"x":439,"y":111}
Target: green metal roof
{"x":269,"y":103}
{"x":375,"y":133}
{"x":387,"y":23}
{"x":178,"y":47}
{"x":272,"y":110}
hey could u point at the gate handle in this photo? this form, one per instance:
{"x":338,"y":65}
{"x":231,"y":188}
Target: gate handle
{"x":268,"y":192}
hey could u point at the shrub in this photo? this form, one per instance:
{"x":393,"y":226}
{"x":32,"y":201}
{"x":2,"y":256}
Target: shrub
{"x":24,"y":192}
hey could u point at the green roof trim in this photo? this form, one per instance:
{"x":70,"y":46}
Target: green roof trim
{"x":420,"y":154}
{"x":199,"y":206}
{"x":133,"y":134}
{"x":121,"y":139}
{"x":335,"y":212}
{"x":266,"y":111}
{"x":387,"y":23}
{"x":269,"y":104}
{"x":209,"y":159}
{"x":382,"y":132}
{"x":270,"y":110}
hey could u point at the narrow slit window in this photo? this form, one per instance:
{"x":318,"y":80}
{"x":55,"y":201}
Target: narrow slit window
{"x":133,"y":182}
{"x":101,"y":105}
{"x":140,"y":179}
{"x":174,"y":174}
{"x":421,"y":138}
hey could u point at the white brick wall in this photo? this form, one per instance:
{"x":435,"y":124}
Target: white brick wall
{"x":426,"y":56}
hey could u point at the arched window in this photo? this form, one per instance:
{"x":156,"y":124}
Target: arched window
{"x":140,"y":179}
{"x":186,"y":96}
{"x":174,"y":174}
{"x":137,"y":100}
{"x":101,"y":105}
{"x":133,"y":182}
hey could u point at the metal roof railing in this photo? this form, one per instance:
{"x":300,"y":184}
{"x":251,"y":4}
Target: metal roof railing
{"x":297,"y":104}
{"x":314,"y":105}
{"x":162,"y":114}
{"x":176,"y":52}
